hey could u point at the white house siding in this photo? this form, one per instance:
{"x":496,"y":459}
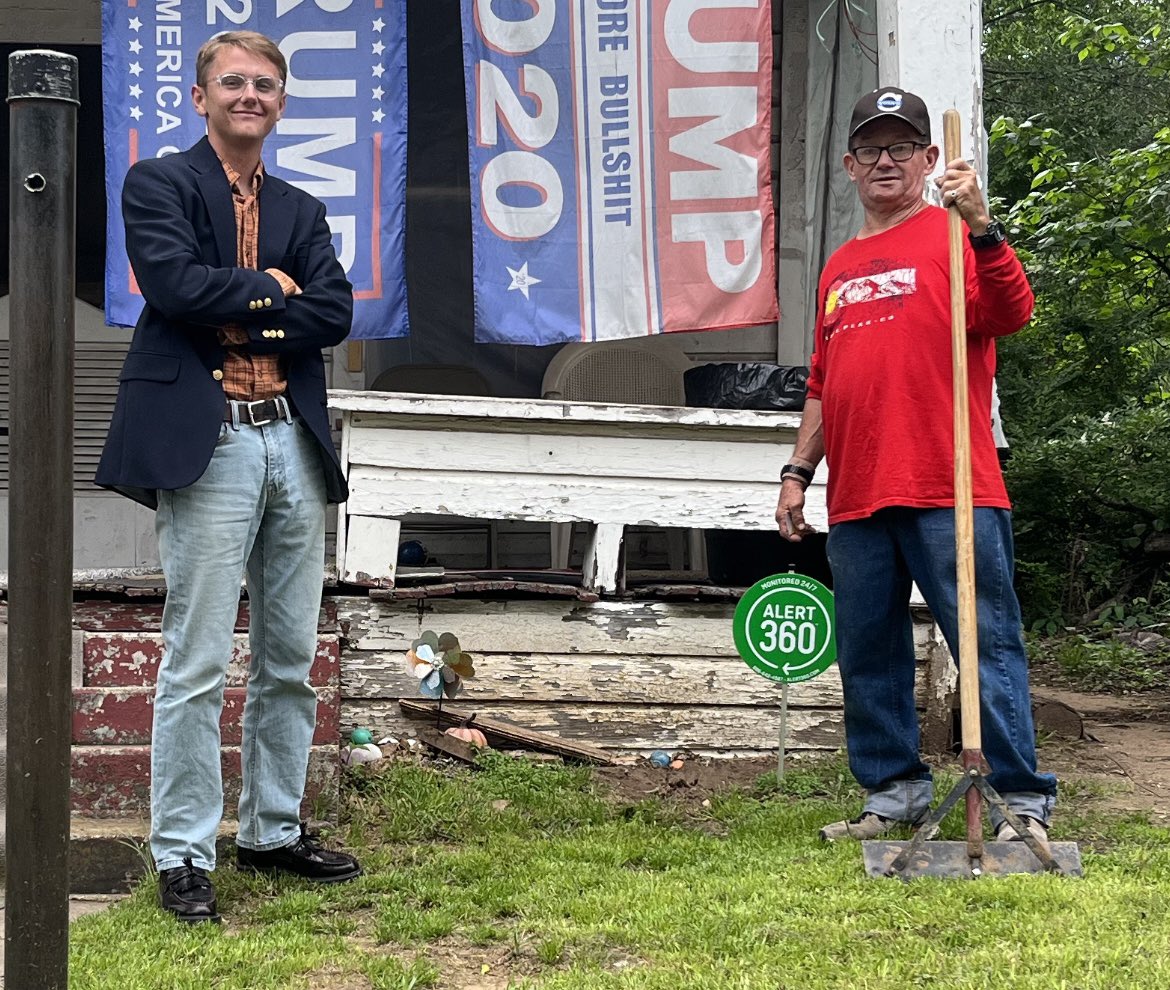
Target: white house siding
{"x":628,"y":676}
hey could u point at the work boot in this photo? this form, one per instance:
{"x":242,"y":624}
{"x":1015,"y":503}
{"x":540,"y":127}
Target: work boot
{"x":867,"y":825}
{"x":1004,"y":832}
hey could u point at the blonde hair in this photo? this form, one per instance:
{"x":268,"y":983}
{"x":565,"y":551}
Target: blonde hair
{"x":251,"y":41}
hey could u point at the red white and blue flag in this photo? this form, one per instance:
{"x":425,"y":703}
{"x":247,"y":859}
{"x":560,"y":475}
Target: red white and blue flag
{"x":620,"y":167}
{"x":342,"y":137}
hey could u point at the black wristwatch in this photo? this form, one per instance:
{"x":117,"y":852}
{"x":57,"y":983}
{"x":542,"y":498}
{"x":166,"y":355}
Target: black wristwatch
{"x":796,"y":471}
{"x":995,"y":234}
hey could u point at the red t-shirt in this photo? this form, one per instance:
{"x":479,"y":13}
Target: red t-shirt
{"x":882,"y":366}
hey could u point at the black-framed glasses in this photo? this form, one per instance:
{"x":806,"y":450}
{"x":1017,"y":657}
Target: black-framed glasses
{"x":265,"y":87}
{"x":903,"y":151}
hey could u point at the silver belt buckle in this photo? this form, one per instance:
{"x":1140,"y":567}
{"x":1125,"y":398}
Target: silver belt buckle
{"x":251,"y":407}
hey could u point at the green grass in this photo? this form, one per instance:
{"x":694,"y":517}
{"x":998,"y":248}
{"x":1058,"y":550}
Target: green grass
{"x":564,"y":889}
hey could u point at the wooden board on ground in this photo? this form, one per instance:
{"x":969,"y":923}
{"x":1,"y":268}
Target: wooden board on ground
{"x":445,"y":744}
{"x":497,"y":730}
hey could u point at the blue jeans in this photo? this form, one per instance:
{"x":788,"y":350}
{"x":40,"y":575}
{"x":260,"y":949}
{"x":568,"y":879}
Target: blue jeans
{"x":874,"y":561}
{"x":260,"y":508}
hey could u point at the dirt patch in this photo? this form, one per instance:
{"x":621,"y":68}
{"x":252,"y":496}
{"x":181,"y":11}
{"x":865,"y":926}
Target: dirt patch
{"x":464,"y":966}
{"x":1124,"y":747}
{"x":337,"y":979}
{"x":697,"y":780}
{"x":1119,"y":745}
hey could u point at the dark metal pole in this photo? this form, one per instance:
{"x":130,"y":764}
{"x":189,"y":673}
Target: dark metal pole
{"x":42,"y":100}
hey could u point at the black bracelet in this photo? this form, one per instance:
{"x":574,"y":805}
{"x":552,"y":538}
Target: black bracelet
{"x":796,"y":471}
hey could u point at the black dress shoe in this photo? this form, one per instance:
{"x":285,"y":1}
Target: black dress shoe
{"x":303,"y":858}
{"x":187,"y":893}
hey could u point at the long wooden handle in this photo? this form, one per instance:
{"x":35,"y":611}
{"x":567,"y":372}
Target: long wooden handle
{"x":964,"y":511}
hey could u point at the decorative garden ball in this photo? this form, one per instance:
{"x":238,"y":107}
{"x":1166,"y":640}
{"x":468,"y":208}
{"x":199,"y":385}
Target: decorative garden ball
{"x":660,"y":758}
{"x":361,"y":737}
{"x":412,"y":554}
{"x":367,"y":753}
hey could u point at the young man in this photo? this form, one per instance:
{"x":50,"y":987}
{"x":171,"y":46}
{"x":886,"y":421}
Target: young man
{"x":220,"y":425}
{"x":879,"y":408}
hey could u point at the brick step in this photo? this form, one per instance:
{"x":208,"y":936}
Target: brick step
{"x":122,"y":716}
{"x":109,"y":855}
{"x":113,"y":781}
{"x":130,"y":659}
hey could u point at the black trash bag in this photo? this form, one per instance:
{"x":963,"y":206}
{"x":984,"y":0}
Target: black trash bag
{"x":754,"y":385}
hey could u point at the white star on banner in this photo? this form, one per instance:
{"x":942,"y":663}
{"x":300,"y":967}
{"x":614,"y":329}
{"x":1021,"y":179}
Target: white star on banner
{"x":378,"y":70}
{"x":135,"y":46}
{"x":135,"y":68}
{"x":378,"y":47}
{"x":377,"y":116}
{"x":378,"y":92}
{"x":521,"y":279}
{"x":136,"y":91}
{"x":379,"y":24}
{"x":136,"y":113}
{"x":135,"y":24}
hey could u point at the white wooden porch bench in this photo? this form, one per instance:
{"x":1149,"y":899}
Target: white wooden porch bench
{"x":608,"y":466}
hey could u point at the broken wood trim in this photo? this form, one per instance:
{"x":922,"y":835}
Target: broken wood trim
{"x":507,"y":732}
{"x":687,"y":589}
{"x":445,"y":744}
{"x":476,"y":587}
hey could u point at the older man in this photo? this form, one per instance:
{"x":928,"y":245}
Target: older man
{"x":879,"y":409}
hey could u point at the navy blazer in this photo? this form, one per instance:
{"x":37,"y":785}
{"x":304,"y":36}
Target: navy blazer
{"x":181,"y":239}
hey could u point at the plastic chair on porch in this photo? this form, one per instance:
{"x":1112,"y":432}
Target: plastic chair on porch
{"x":624,"y":373}
{"x":639,"y":374}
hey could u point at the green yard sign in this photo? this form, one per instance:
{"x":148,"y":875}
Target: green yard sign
{"x":783,"y":628}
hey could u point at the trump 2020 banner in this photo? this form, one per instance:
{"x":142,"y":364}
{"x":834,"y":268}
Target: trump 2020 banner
{"x":620,"y":170}
{"x":342,"y":137}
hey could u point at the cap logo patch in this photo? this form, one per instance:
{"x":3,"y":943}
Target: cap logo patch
{"x":889,"y":102}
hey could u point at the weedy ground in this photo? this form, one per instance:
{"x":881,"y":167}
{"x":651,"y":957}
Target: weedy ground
{"x":517,"y":875}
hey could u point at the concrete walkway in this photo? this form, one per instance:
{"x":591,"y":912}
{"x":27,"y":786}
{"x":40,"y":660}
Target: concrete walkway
{"x":79,"y":906}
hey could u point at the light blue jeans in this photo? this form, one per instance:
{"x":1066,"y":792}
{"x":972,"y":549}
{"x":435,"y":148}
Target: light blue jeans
{"x":260,"y":508}
{"x":874,"y":561}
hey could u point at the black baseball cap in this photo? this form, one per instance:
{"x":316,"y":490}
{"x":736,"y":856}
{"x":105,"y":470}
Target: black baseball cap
{"x":891,"y":102}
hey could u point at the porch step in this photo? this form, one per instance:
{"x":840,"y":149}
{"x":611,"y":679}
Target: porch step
{"x":108,"y":855}
{"x":114,"y":781}
{"x":122,"y":716}
{"x":112,"y":658}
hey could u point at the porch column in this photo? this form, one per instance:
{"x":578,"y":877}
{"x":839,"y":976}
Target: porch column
{"x":933,"y":50}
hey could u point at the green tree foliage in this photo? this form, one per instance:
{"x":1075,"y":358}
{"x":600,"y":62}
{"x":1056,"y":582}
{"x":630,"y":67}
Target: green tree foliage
{"x":1086,"y":390}
{"x":1099,"y":95}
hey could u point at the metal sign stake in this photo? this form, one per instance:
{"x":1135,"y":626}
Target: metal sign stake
{"x":783,"y":733}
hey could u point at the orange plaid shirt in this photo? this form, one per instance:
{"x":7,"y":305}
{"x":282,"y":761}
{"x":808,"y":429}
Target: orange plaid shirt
{"x":248,"y":376}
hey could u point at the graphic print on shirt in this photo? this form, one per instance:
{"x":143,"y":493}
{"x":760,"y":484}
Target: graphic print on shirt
{"x":882,"y":284}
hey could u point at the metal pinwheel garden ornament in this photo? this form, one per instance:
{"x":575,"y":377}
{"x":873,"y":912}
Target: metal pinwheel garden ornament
{"x":440,"y":665}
